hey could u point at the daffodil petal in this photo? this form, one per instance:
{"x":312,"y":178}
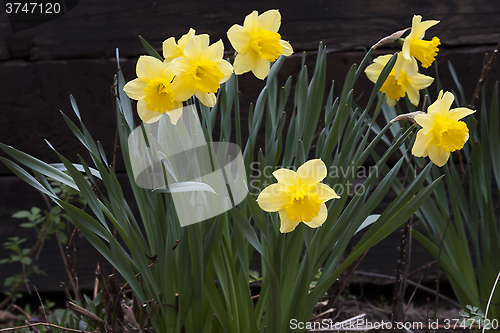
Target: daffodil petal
{"x":214,"y":52}
{"x":287,"y":225}
{"x":171,"y":50}
{"x":286,"y":176}
{"x":324,"y":192}
{"x":413,"y":95}
{"x":419,"y":28}
{"x":175,"y":114}
{"x":146,"y":115}
{"x":149,"y":67}
{"x":135,"y":89}
{"x":438,"y":155}
{"x":442,"y":106}
{"x":251,"y":23}
{"x":245,"y":62}
{"x":390,"y":102}
{"x":226,"y":68}
{"x":183,"y":40}
{"x":320,"y":219}
{"x":421,"y":143}
{"x":420,"y":81}
{"x":207,"y":99}
{"x":273,"y":198}
{"x":313,"y":171}
{"x":458,"y":113}
{"x":261,"y":69}
{"x":287,"y":48}
{"x":426,"y":121}
{"x":183,"y":88}
{"x":270,"y":20}
{"x":238,"y":37}
{"x":193,"y":47}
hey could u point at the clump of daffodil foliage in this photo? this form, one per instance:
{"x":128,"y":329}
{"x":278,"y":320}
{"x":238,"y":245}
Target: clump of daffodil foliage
{"x":305,"y":157}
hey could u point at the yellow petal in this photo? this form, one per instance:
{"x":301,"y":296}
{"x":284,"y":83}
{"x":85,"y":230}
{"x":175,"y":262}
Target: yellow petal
{"x":245,"y":62}
{"x":312,"y":172}
{"x":421,"y":143}
{"x":287,"y":48}
{"x":135,"y":89}
{"x":436,"y":102}
{"x":226,"y":68}
{"x":373,"y":70}
{"x":239,"y":38}
{"x":425,"y":120}
{"x":193,"y":48}
{"x":457,"y":114}
{"x":390,"y":102}
{"x":251,"y":23}
{"x":261,"y":69}
{"x":417,"y":83}
{"x":149,"y":67}
{"x":438,"y":155}
{"x":287,"y":225}
{"x":171,"y":50}
{"x":183,"y":40}
{"x":324,"y":192}
{"x":176,"y":113}
{"x":214,"y":52}
{"x":207,"y":99}
{"x":442,"y":105}
{"x":413,"y":94}
{"x":167,"y":72}
{"x":286,"y":176}
{"x":270,"y":20}
{"x":181,"y":66}
{"x":273,"y":198}
{"x":320,"y":219}
{"x":418,"y":28}
{"x":146,"y":115}
{"x":420,"y":81}
{"x":183,"y":87}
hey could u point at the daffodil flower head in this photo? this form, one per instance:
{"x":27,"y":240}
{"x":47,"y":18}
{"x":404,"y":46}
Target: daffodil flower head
{"x":172,"y":50}
{"x":441,"y":132}
{"x":153,"y":91}
{"x":258,"y":43}
{"x":298,"y":196}
{"x":201,"y":71}
{"x":397,"y":87}
{"x":414,"y":47}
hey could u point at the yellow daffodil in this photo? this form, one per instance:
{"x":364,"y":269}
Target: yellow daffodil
{"x":298,"y":196}
{"x":441,"y":132}
{"x":153,"y":91}
{"x":414,"y":47}
{"x":172,"y":50}
{"x":201,"y":70}
{"x":258,"y":43}
{"x":396,"y":88}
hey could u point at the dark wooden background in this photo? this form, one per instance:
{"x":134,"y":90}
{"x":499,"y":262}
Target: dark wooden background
{"x":74,"y":54}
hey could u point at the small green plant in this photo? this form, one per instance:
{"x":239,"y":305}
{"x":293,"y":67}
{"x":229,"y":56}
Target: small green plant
{"x":474,"y":318}
{"x":46,"y":223}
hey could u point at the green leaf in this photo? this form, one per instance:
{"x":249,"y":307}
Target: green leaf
{"x":152,"y":52}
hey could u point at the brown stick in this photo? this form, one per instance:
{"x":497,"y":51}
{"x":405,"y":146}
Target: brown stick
{"x":482,"y":78}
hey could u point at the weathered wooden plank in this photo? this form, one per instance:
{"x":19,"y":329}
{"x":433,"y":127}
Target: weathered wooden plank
{"x":94,"y":28}
{"x":37,"y":90}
